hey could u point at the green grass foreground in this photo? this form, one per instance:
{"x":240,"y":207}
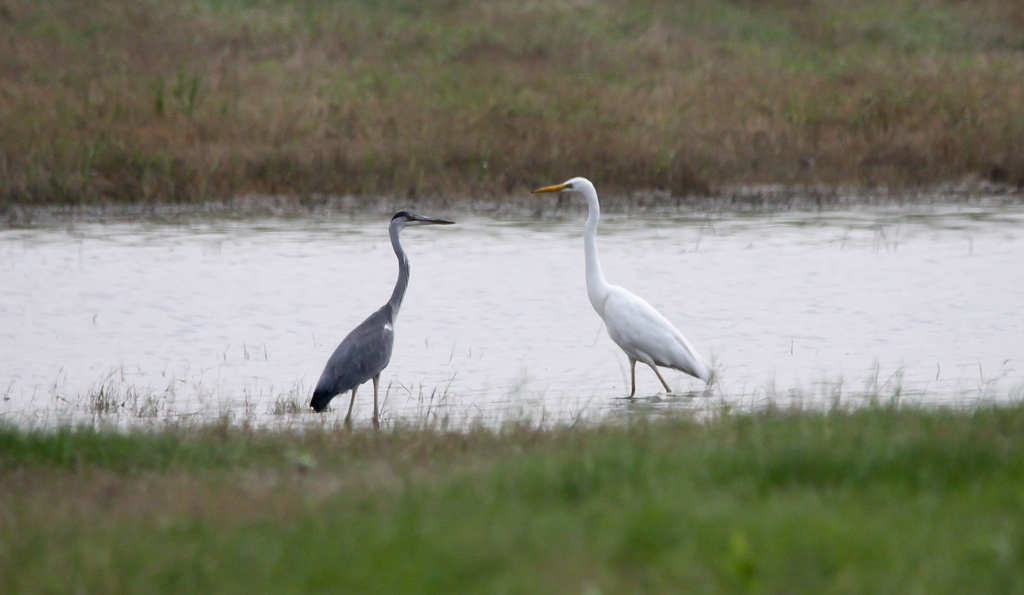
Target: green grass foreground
{"x":883,"y":499}
{"x":142,"y":100}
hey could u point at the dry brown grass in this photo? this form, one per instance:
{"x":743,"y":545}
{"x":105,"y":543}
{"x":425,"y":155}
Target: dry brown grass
{"x":149,"y":101}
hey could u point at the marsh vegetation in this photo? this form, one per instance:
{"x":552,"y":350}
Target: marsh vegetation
{"x":145,"y":101}
{"x":879,"y":499}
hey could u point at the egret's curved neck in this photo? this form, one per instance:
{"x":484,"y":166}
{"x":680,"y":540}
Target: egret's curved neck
{"x":403,"y":271}
{"x":597,"y":287}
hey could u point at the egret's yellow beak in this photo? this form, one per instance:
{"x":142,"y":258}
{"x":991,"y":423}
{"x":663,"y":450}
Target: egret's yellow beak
{"x":555,"y":188}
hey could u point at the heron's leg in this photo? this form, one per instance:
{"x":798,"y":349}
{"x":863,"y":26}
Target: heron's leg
{"x":348,"y":416}
{"x":663,"y":383}
{"x":632,"y":378}
{"x":376,"y":379}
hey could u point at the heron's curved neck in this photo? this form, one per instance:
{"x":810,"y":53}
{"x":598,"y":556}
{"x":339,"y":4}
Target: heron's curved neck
{"x":597,"y":287}
{"x":403,"y":271}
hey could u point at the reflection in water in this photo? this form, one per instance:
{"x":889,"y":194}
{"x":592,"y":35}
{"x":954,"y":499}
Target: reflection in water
{"x":238,"y":318}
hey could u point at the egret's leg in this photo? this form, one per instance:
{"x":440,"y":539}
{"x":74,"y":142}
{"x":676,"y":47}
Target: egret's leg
{"x":348,"y":416}
{"x":632,"y":378}
{"x":376,"y":379}
{"x":663,"y":383}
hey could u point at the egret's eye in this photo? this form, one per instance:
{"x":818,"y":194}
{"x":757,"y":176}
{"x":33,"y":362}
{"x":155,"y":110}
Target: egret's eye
{"x":568,"y":186}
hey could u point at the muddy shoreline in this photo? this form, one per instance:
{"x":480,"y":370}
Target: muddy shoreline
{"x":764,"y":198}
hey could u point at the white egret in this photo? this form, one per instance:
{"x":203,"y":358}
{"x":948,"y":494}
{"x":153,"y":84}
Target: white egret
{"x":635,"y":326}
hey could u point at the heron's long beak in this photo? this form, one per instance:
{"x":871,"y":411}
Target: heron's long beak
{"x":555,"y":188}
{"x":431,"y":220}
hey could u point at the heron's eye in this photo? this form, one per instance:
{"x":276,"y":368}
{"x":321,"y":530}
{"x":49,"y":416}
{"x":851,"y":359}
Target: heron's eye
{"x":568,"y":186}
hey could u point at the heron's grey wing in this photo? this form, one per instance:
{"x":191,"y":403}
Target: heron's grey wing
{"x":360,"y":356}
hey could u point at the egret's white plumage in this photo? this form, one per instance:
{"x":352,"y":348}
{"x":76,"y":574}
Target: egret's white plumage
{"x":635,"y":326}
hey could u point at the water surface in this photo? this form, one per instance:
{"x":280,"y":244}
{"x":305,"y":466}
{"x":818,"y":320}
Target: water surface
{"x":238,"y":317}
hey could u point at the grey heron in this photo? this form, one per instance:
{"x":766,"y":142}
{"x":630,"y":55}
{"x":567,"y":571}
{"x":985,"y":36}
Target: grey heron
{"x":366,"y":351}
{"x":633,"y":324}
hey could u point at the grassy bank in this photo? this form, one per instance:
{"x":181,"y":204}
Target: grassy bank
{"x":876,"y":500}
{"x":203,"y":99}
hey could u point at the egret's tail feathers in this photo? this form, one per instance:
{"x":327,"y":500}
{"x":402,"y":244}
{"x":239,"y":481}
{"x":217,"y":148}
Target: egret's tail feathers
{"x":320,"y":400}
{"x":700,"y":369}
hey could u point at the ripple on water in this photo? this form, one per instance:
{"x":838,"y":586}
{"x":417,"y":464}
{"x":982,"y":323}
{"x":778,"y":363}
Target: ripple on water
{"x":238,"y":317}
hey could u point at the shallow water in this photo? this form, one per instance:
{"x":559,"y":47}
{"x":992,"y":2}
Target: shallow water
{"x":238,"y":318}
